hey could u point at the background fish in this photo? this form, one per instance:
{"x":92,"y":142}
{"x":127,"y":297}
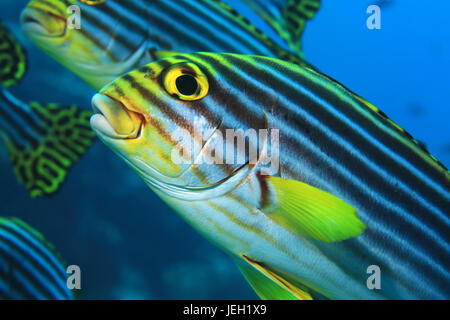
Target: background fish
{"x":352,"y":189}
{"x":118,"y":36}
{"x":287,"y":18}
{"x":29,"y":266}
{"x":43,"y":141}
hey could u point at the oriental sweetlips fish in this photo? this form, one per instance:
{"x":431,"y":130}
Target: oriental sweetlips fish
{"x":351,"y":189}
{"x":43,"y":141}
{"x":30,"y":268}
{"x":115,"y":37}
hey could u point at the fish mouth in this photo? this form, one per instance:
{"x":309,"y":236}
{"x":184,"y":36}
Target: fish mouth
{"x":113,"y":120}
{"x":42,"y":22}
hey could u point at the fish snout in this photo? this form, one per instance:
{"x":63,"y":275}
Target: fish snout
{"x":41,"y":22}
{"x":113,"y":119}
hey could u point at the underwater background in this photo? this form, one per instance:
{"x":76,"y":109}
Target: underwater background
{"x":128,"y":243}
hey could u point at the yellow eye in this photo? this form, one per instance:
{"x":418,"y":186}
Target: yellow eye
{"x":93,"y":2}
{"x":186,"y":81}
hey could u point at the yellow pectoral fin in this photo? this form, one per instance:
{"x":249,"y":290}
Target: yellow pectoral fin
{"x":312,"y":212}
{"x":267,"y":284}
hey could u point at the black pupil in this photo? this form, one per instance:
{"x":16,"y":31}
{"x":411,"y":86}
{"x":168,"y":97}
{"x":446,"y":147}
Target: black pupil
{"x":187,"y":85}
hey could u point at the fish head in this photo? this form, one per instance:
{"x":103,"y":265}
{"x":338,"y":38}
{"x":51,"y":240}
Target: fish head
{"x":88,"y":37}
{"x":169,"y":121}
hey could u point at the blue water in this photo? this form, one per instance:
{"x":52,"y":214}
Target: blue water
{"x":129,"y":244}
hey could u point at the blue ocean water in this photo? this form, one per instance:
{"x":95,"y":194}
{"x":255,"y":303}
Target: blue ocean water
{"x":129,"y":244}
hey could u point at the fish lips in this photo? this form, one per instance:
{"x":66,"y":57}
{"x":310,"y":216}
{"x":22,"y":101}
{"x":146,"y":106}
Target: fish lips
{"x":41,"y":23}
{"x":113,"y":120}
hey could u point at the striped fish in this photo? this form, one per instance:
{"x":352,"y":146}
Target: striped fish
{"x":118,"y":36}
{"x":29,"y":266}
{"x":352,"y":189}
{"x":43,"y":141}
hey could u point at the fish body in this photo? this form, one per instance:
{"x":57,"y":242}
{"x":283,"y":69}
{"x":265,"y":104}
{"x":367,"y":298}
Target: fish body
{"x":352,"y":190}
{"x":118,"y":36}
{"x":43,"y":140}
{"x":30,"y":268}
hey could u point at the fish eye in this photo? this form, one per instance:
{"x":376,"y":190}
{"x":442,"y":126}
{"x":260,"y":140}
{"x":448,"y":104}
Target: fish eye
{"x":186,"y":82}
{"x":186,"y":85}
